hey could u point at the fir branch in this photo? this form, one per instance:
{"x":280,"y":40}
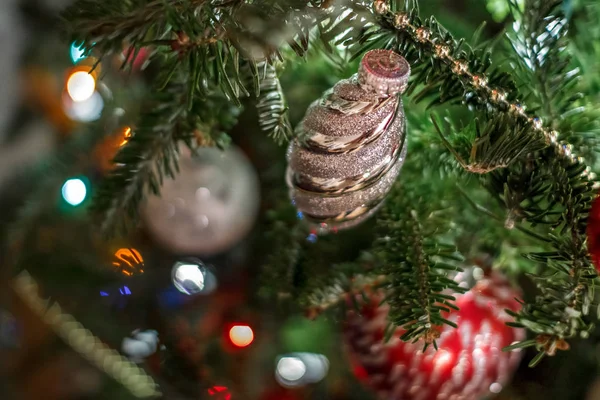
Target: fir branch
{"x":271,"y":105}
{"x":285,"y":236}
{"x":152,"y":153}
{"x":413,"y":255}
{"x":496,"y":144}
{"x":562,"y":203}
{"x":342,"y":288}
{"x":452,"y":72}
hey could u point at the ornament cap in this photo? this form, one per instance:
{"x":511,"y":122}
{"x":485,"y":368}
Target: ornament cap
{"x":384,"y":72}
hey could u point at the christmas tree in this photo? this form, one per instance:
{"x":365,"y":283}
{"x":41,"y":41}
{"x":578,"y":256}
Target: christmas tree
{"x":329,"y":199}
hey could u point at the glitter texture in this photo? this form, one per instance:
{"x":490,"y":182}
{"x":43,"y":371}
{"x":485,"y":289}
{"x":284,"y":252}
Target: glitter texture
{"x":328,"y":206}
{"x":334,"y":123}
{"x":363,"y":160}
{"x":350,"y":146}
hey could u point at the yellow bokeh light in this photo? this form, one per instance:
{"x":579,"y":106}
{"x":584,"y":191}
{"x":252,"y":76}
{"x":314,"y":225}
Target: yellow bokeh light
{"x":241,"y":335}
{"x":126,"y":136}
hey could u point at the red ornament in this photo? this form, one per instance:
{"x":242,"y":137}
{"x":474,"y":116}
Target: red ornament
{"x":469,"y":364}
{"x":593,"y":233}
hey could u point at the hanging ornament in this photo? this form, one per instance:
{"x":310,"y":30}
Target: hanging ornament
{"x":350,"y":146}
{"x":210,"y":205}
{"x":469,"y":363}
{"x":593,"y":233}
{"x":192,"y":277}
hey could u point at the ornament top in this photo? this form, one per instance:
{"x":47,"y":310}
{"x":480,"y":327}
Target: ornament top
{"x":384,"y":72}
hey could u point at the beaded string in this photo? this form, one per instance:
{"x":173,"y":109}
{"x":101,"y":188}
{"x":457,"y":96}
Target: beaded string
{"x":84,"y":342}
{"x":498,"y":98}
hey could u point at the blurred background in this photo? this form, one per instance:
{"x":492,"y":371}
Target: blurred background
{"x":194,"y":325}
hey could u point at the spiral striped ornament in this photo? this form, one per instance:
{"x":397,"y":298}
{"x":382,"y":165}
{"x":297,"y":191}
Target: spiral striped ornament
{"x":350,"y":146}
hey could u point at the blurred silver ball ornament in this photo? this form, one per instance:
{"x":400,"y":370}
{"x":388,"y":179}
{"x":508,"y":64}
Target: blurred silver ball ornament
{"x":193,"y":277}
{"x":210,"y":205}
{"x":350,"y":146}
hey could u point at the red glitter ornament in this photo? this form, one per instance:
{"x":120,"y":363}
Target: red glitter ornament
{"x":469,"y":364}
{"x":593,"y":233}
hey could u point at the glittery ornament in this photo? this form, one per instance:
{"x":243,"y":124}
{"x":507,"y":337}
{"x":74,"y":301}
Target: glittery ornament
{"x":593,"y":233}
{"x":350,"y":146}
{"x":210,"y":205}
{"x":469,"y":363}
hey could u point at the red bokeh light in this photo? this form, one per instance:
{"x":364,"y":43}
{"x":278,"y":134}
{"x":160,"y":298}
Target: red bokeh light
{"x":220,"y":391}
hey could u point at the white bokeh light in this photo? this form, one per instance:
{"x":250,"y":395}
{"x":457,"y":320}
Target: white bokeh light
{"x":495,"y":387}
{"x":81,"y":86}
{"x":84,"y":111}
{"x":299,"y":369}
{"x":290,"y":369}
{"x":74,"y":191}
{"x":192,"y":276}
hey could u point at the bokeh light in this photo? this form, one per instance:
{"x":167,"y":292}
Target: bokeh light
{"x":84,"y":111}
{"x":74,"y":191}
{"x":129,"y":261}
{"x":77,"y":53}
{"x":126,"y":136}
{"x":81,"y":85}
{"x":291,"y":369}
{"x":299,"y":369}
{"x":241,"y":335}
{"x":220,"y":392}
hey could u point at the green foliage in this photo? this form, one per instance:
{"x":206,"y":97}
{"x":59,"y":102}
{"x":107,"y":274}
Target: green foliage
{"x":210,"y":53}
{"x":272,"y":108}
{"x":151,"y":153}
{"x":415,"y":258}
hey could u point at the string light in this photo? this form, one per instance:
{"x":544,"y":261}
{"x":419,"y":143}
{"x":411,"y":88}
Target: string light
{"x":241,"y":335}
{"x":77,"y":53}
{"x":74,"y":191}
{"x":298,"y":369}
{"x":129,"y":261}
{"x":126,"y":136}
{"x":84,"y":111}
{"x":221,"y":391}
{"x":81,"y":85}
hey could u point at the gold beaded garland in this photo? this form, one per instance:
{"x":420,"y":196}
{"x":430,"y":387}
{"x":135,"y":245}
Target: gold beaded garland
{"x":381,"y":7}
{"x":401,"y":20}
{"x":517,"y":109}
{"x":423,"y":34}
{"x":480,"y":81}
{"x":537,"y":123}
{"x":441,"y":51}
{"x":460,"y":67}
{"x":498,"y":96}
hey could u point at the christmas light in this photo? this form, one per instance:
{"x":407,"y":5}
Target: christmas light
{"x":220,"y":391}
{"x":298,"y":369}
{"x":129,"y":261}
{"x":77,"y":53}
{"x":84,"y":111}
{"x":74,"y":191}
{"x":241,"y":335}
{"x":290,"y":369}
{"x":81,"y":85}
{"x":126,"y":136}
